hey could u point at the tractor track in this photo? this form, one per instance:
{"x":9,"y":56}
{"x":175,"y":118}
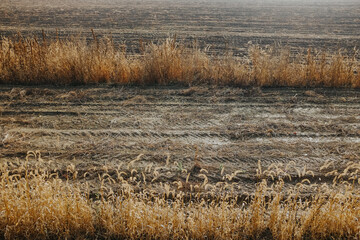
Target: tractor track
{"x":215,"y":127}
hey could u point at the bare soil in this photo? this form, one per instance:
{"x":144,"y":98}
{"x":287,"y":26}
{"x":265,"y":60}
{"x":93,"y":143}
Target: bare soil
{"x":175,"y":130}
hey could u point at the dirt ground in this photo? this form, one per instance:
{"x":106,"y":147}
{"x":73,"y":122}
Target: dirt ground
{"x":164,"y":134}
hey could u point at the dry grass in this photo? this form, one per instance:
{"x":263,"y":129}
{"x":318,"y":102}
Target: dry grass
{"x":74,"y":61}
{"x":36,"y":204}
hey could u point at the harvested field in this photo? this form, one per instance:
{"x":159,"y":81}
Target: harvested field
{"x":205,"y":127}
{"x":162,"y":119}
{"x":203,"y":162}
{"x":219,"y":25}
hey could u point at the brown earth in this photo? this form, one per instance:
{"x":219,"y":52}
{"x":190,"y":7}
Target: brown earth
{"x":162,"y":134}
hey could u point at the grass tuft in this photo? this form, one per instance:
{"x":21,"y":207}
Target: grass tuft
{"x":38,"y":204}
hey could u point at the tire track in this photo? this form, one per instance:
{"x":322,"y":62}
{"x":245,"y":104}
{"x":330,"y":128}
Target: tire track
{"x":176,"y":134}
{"x":275,"y":127}
{"x":160,"y":103}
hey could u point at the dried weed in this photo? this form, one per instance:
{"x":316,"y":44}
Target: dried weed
{"x":26,"y":61}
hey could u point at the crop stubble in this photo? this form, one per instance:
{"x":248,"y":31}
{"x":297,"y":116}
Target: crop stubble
{"x":187,"y":128}
{"x":219,"y":25}
{"x":218,"y":134}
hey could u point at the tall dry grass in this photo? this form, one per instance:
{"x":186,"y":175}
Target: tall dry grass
{"x":74,"y":61}
{"x":38,"y":204}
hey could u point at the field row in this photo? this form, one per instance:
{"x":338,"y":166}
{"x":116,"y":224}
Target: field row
{"x":229,"y":127}
{"x":75,"y":61}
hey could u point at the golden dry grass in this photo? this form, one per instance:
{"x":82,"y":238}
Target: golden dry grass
{"x":36,"y":204}
{"x":74,"y":61}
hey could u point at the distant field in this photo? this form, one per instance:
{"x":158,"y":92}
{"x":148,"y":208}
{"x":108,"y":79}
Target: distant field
{"x":220,"y":25}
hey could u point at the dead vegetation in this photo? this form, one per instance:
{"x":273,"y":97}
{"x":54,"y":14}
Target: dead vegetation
{"x":42,"y":203}
{"x":74,"y":61}
{"x":135,"y":100}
